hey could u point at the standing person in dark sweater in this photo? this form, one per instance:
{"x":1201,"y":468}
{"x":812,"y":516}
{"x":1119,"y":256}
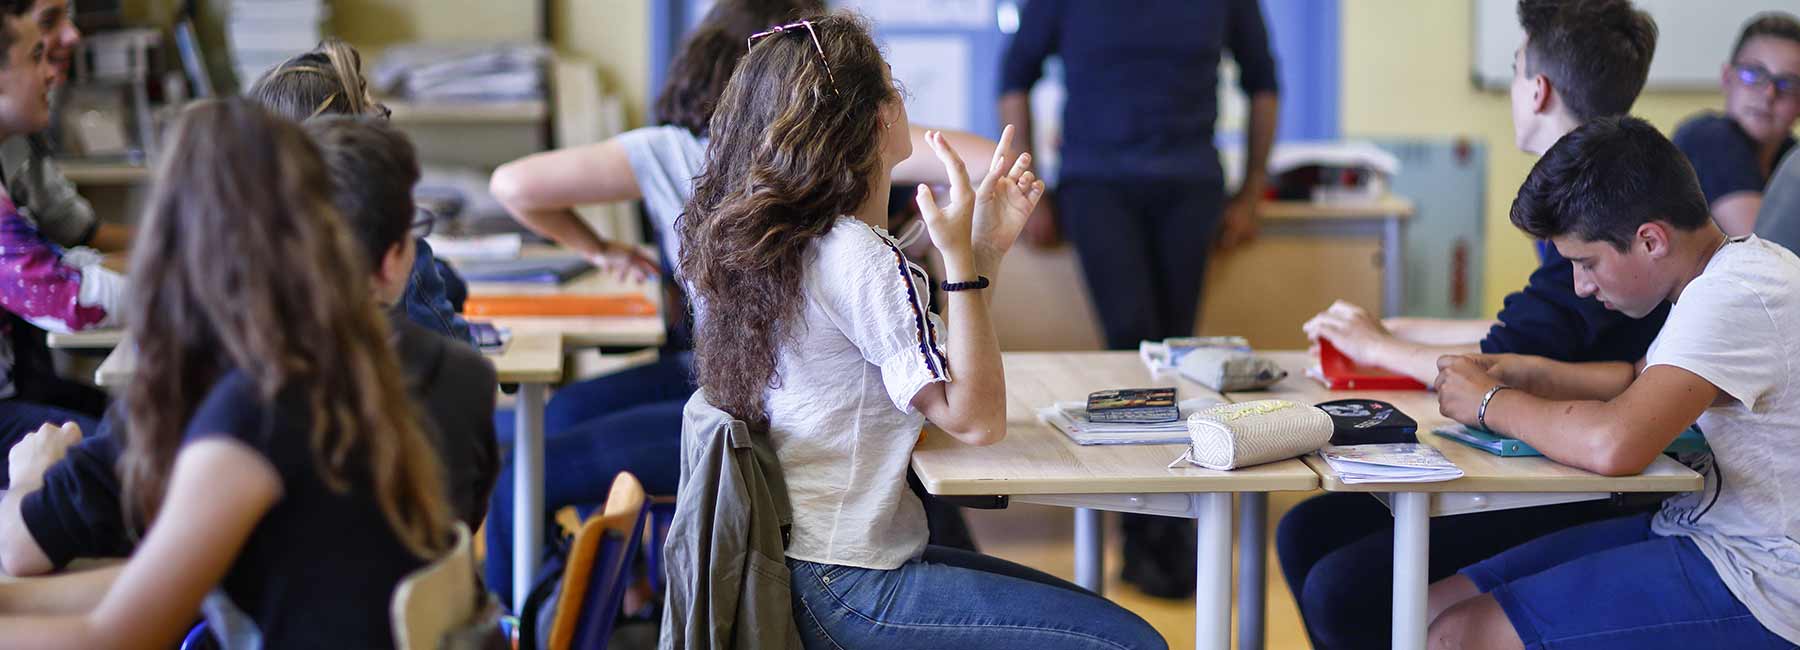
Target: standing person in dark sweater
{"x":72,"y":509}
{"x":1580,"y":61}
{"x":272,"y":457}
{"x":1734,"y":153}
{"x":1141,"y":185}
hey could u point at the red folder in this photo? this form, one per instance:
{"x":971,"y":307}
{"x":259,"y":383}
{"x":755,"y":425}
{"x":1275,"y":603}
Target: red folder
{"x":1340,"y":373}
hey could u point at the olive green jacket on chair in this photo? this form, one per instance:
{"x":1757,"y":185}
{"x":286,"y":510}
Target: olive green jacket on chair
{"x":725,"y":555}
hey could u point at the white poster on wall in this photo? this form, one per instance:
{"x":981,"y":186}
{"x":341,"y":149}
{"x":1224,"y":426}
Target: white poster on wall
{"x":969,"y":14}
{"x":934,"y":71}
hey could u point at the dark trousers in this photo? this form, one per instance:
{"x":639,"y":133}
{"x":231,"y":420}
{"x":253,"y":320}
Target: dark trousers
{"x":1143,"y":247}
{"x":1337,"y":552}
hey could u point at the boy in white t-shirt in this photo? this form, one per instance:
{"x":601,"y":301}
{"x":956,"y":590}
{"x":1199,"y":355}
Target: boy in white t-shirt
{"x":1717,"y":568}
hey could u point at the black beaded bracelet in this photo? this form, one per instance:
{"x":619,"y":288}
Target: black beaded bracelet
{"x":981,"y":282}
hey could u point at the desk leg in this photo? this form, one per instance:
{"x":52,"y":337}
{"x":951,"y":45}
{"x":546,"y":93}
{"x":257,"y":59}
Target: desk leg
{"x":1412,"y":546}
{"x":1090,"y":549}
{"x":1253,"y":521}
{"x":1393,"y":265}
{"x":528,"y":488}
{"x":1212,"y":575}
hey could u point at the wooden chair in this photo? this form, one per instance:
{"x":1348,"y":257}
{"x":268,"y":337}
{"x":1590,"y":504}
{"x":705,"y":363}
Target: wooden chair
{"x":599,"y":568}
{"x":438,"y":598}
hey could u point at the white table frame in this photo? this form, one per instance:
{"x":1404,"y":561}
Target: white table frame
{"x":1212,"y":566}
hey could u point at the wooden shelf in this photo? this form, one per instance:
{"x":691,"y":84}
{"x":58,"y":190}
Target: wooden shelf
{"x":82,"y":172}
{"x":528,"y":112}
{"x":1390,"y":206}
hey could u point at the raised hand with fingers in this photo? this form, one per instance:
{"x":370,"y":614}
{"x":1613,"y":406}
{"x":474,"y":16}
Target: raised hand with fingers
{"x":1004,"y":201}
{"x":951,"y":226}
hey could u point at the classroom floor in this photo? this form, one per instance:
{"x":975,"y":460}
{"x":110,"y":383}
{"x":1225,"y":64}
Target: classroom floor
{"x":1042,"y":537}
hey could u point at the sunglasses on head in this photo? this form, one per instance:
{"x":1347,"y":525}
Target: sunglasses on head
{"x":795,"y":28}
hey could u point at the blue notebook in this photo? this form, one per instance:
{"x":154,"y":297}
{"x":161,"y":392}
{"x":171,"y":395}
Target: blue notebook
{"x":536,"y":270}
{"x":1690,"y":440}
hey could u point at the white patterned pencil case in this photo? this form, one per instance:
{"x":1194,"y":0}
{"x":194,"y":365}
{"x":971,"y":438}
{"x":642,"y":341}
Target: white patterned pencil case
{"x":1252,"y":433}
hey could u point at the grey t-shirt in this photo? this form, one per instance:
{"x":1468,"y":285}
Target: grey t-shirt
{"x":1734,"y":328}
{"x":665,"y":159}
{"x":1779,"y":219}
{"x":43,"y":194}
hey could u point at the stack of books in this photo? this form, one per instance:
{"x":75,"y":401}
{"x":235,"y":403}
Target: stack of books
{"x":1072,"y":419}
{"x":264,"y":33}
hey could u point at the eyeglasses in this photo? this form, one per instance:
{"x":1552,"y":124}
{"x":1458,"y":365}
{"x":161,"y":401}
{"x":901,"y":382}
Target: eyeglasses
{"x":1756,"y":76}
{"x":783,"y":29}
{"x":424,"y":221}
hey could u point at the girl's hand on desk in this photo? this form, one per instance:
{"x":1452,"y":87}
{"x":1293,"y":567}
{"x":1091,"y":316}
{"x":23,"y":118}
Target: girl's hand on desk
{"x":1462,"y":382}
{"x":36,"y":452}
{"x":626,"y":261}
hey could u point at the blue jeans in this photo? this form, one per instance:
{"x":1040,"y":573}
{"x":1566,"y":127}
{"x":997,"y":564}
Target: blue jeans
{"x":668,"y":379}
{"x":579,"y":466}
{"x":1616,"y":584}
{"x":956,"y":599}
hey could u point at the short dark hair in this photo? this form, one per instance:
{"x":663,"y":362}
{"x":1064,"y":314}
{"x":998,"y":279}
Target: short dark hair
{"x":1606,"y":178}
{"x":1777,"y":24}
{"x":11,"y":10}
{"x":1595,"y":52}
{"x":373,"y":169}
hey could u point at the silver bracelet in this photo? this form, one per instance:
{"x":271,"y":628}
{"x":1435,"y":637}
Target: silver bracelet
{"x":1481,"y":413}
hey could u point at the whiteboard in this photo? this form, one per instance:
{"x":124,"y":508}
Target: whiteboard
{"x":1694,"y":39}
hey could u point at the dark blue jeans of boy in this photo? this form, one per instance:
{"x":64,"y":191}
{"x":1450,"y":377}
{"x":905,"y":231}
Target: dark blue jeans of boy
{"x":1337,"y":552}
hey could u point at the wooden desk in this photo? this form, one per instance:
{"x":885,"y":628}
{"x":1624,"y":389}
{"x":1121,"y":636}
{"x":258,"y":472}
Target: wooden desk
{"x":531,"y":360}
{"x":94,"y":339}
{"x":644,"y":331}
{"x":1037,"y":464}
{"x":1489,"y":482}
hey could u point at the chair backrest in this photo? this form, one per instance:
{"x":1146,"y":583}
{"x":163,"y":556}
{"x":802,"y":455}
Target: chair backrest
{"x":438,"y":598}
{"x":196,"y":637}
{"x":662,"y":516}
{"x":599,"y":568}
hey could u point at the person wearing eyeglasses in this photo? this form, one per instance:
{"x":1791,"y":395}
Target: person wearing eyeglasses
{"x":329,"y":81}
{"x":1735,"y":152}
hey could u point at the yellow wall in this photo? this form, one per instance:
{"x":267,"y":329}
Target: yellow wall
{"x":1406,"y":70}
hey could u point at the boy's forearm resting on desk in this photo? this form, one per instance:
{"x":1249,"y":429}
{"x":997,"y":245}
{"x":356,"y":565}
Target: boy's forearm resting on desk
{"x":1439,"y":331}
{"x":1616,"y":437}
{"x":1416,"y":360}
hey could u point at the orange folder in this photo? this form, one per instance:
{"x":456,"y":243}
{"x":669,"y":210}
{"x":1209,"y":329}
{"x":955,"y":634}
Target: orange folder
{"x":620,"y":305}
